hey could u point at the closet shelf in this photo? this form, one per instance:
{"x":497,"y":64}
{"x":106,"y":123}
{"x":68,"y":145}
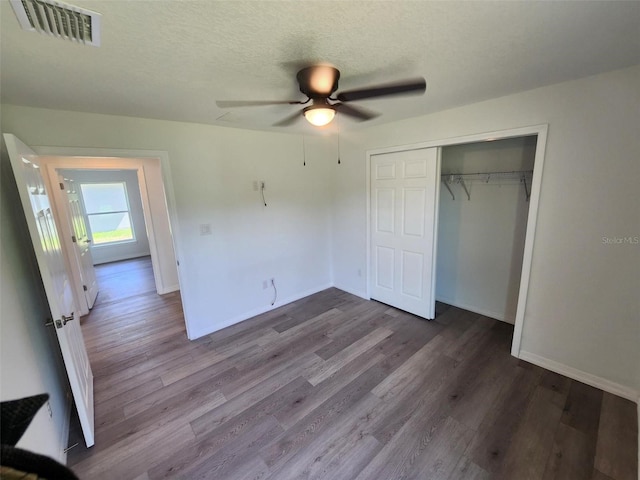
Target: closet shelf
{"x":523,"y":176}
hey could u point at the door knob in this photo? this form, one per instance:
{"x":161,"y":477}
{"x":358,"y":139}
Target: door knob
{"x":66,"y":319}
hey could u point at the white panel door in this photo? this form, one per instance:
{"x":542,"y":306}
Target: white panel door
{"x":81,"y":241}
{"x":404,"y":187}
{"x":49,"y":254}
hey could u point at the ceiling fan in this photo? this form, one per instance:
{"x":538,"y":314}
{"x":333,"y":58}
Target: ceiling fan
{"x":318,"y":83}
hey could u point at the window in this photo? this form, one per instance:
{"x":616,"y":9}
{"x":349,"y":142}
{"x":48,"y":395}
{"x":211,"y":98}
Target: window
{"x":108,"y":211}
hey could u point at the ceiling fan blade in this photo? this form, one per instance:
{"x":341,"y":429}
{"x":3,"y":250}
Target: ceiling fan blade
{"x":355,"y":112}
{"x":288,"y":120}
{"x":254,"y":103}
{"x":418,"y":85}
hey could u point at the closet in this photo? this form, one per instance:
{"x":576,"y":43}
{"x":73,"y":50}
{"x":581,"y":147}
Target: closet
{"x":482,"y":220}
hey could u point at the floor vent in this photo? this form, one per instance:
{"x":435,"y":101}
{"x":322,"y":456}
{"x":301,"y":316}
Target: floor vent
{"x":58,"y":19}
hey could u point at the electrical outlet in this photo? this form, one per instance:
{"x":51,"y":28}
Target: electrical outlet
{"x":265,"y":285}
{"x":255,"y":185}
{"x":205,"y":229}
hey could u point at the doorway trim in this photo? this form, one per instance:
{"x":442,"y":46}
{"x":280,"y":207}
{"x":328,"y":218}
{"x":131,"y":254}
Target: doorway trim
{"x":109,"y":158}
{"x":541,"y":141}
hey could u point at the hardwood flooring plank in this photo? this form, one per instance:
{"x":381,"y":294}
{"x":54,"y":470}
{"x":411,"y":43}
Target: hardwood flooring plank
{"x":493,"y":437}
{"x":134,"y":457}
{"x":138,"y":392}
{"x":468,"y":470}
{"x":218,"y":452}
{"x":358,"y":328}
{"x":442,"y":455}
{"x":582,"y":409}
{"x":182,"y":371}
{"x":407,"y":374}
{"x":597,"y":475}
{"x":350,"y":428}
{"x":484,"y":389}
{"x":311,"y":398}
{"x":617,"y":445}
{"x":531,"y":445}
{"x":178,"y":388}
{"x":429,"y":393}
{"x":182,"y":408}
{"x":300,"y":433}
{"x":419,"y":448}
{"x":113,"y":385}
{"x":253,"y":468}
{"x":213,"y":419}
{"x":276,"y":370}
{"x":571,"y":457}
{"x":325,"y":369}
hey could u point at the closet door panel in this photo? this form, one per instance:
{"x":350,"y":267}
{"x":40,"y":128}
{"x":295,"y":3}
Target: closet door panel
{"x":403,"y":211}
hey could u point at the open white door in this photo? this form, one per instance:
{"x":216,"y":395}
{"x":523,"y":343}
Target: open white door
{"x":70,"y":199}
{"x":46,"y":243}
{"x":404,"y":189}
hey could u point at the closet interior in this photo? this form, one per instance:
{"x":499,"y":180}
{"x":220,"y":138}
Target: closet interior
{"x":482,"y":220}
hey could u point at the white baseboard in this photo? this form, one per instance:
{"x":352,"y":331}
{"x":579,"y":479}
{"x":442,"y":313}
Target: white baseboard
{"x":169,"y":289}
{"x":352,"y":292}
{"x":584,"y":377}
{"x":258,"y":311}
{"x":472,"y":308}
{"x":119,"y":258}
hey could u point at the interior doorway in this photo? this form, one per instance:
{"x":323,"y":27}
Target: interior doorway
{"x":482,"y":223}
{"x":153,"y":235}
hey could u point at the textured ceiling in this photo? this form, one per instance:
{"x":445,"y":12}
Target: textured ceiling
{"x":173,"y":59}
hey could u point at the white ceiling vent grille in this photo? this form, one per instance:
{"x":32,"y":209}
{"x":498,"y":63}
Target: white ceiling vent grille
{"x":59,"y":20}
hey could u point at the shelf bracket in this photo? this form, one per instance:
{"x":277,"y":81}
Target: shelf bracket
{"x":464,"y":185}
{"x":453,"y":197}
{"x":526,"y":187}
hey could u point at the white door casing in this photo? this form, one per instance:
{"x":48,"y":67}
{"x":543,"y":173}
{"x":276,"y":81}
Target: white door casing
{"x":51,"y":262}
{"x":82,"y":252}
{"x":404,"y":188}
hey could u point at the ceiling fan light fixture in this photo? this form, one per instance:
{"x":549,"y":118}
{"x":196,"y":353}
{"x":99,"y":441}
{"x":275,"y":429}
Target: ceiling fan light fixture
{"x":319,"y":115}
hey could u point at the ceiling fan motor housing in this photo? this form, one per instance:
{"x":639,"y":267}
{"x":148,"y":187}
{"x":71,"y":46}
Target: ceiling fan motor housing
{"x":318,"y":81}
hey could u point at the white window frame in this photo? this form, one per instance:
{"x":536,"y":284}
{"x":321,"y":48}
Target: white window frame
{"x":128,"y":211}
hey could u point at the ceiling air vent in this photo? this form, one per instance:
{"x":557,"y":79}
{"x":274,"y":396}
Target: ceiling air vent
{"x":59,"y":20}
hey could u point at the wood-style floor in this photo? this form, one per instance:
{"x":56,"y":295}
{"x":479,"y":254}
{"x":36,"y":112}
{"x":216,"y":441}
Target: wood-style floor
{"x":333,"y":387}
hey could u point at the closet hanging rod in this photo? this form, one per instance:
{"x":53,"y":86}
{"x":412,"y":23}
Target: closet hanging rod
{"x":490,"y":174}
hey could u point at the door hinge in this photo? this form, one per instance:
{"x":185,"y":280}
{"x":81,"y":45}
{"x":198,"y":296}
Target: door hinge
{"x":61,"y":186}
{"x":84,"y":287}
{"x":73,"y":239}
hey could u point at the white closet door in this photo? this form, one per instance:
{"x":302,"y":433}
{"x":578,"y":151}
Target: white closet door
{"x":404,"y":187}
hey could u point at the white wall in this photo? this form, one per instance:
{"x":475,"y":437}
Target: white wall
{"x":212,"y":170}
{"x":481,"y":241}
{"x":583,"y":305}
{"x":138,"y":247}
{"x":30,"y":360}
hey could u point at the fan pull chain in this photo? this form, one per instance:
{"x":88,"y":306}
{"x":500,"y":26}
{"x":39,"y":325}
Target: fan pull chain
{"x":338,"y":125}
{"x":304,"y":153}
